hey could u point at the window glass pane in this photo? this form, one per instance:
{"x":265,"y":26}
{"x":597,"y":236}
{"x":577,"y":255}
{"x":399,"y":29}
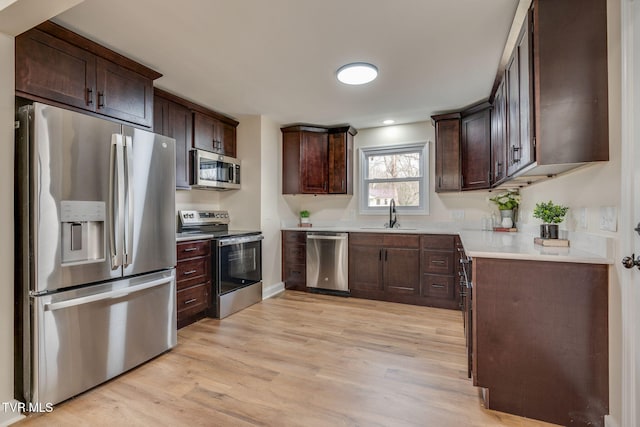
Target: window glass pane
{"x":403,"y":165}
{"x":404,"y":193}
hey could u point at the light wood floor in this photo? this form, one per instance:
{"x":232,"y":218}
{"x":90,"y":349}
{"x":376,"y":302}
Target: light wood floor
{"x":299,"y":360}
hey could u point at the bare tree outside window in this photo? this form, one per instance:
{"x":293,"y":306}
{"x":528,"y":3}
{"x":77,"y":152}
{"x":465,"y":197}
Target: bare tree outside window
{"x":394,"y":173}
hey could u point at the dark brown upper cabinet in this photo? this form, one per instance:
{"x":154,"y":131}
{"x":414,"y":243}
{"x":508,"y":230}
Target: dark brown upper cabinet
{"x":447,"y":150}
{"x":499,"y":137}
{"x":174,"y":120}
{"x":212,"y":134}
{"x":58,"y":66}
{"x":341,"y":160}
{"x":556,"y":90}
{"x":191,"y":125}
{"x":519,"y":112}
{"x":476,"y":149}
{"x":317,"y":160}
{"x":570,"y":82}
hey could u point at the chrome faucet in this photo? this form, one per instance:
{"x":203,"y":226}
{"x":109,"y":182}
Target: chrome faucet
{"x":393,"y":220}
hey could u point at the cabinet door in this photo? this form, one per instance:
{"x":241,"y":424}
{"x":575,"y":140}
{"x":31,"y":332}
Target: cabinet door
{"x":476,"y":150}
{"x":124,"y":94}
{"x":340,"y":159}
{"x":365,"y":271}
{"x":499,"y":136}
{"x":402,"y":271}
{"x":313,"y":159}
{"x":294,"y":256}
{"x":447,"y":155}
{"x":175,"y":120}
{"x":228,"y":137}
{"x":179,"y":126}
{"x":520,"y":143}
{"x":53,"y":69}
{"x":205,"y":133}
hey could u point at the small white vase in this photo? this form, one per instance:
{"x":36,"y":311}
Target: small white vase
{"x":506,"y":218}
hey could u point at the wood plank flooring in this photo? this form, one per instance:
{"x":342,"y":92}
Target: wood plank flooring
{"x":299,"y":359}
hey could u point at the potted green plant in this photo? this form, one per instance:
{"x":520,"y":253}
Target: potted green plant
{"x":551,"y":215}
{"x":304,"y":216}
{"x":507,"y":204}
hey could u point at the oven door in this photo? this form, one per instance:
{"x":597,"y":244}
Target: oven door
{"x":239,"y":262}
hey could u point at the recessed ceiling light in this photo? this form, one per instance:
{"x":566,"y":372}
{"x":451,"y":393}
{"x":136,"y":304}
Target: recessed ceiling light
{"x":357,"y":73}
{"x":388,"y":122}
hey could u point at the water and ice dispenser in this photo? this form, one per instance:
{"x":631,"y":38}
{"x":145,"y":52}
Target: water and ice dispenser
{"x":82,"y":231}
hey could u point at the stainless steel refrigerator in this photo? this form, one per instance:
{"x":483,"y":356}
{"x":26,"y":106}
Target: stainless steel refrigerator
{"x":95,"y":240}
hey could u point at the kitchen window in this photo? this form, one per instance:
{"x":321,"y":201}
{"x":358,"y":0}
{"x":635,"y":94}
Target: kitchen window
{"x":398,"y":172}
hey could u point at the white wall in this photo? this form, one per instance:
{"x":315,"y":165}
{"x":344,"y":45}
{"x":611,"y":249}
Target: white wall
{"x":244,"y":206}
{"x":269,"y":199}
{"x":328,"y":209}
{"x":7,"y":94}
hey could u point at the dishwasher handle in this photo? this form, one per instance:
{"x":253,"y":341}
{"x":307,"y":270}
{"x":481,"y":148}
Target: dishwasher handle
{"x":335,"y":236}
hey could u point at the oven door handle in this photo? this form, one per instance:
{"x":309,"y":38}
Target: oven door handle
{"x":239,"y":240}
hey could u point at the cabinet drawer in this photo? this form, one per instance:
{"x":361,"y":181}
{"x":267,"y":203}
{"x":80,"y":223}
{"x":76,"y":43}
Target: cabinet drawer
{"x":435,"y":241}
{"x":295,"y":237}
{"x":295,"y":276}
{"x":437,"y":286}
{"x":437,"y":262}
{"x":192,"y":268}
{"x":192,"y":249}
{"x":295,"y":254}
{"x":366,"y":239}
{"x":193,"y":300}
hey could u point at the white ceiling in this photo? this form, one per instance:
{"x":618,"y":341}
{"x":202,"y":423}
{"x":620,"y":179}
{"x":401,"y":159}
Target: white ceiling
{"x":279,"y":57}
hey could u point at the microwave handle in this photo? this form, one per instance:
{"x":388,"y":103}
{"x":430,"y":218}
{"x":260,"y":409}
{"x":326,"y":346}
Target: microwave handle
{"x":232,"y":171}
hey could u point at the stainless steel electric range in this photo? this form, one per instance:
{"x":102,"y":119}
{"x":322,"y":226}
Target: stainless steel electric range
{"x":236,"y":259}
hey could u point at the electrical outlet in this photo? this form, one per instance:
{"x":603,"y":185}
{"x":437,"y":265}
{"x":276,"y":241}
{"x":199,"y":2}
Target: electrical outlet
{"x":457,"y":214}
{"x":608,"y":218}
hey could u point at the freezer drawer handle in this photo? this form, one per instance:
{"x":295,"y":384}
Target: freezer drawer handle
{"x":118,"y":293}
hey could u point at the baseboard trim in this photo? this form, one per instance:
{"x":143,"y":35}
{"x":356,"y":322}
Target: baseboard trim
{"x":609,"y":421}
{"x":273,"y":290}
{"x":7,"y":418}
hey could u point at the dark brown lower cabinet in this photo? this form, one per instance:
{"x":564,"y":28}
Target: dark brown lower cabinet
{"x":193,"y":280}
{"x":540,"y":339}
{"x":294,"y":260}
{"x":384,"y":266}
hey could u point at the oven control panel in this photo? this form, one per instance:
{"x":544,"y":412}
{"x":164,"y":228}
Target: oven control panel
{"x":193,"y":218}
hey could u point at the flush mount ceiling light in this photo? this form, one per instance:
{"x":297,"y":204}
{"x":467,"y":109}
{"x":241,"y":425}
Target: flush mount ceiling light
{"x":357,"y":73}
{"x":388,"y":122}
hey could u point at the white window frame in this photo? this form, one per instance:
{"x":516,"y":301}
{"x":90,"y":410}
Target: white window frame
{"x":420,"y":147}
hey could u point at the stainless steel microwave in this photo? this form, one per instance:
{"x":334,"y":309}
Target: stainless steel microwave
{"x":214,"y":171}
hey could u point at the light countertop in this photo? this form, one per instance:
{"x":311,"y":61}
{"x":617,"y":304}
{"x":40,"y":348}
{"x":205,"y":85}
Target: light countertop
{"x":489,"y":244}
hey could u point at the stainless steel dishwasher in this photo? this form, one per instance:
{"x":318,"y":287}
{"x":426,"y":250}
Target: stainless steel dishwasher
{"x":327,"y":262}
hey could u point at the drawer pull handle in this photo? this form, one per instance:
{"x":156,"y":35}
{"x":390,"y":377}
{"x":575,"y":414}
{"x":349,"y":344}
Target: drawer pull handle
{"x":186,"y":273}
{"x":189,"y":249}
{"x":437,"y":262}
{"x":190,"y":301}
{"x":435,"y":285}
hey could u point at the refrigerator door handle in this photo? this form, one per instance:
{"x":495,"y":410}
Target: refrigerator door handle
{"x":128,"y":251}
{"x":116,"y":198}
{"x":118,"y":293}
